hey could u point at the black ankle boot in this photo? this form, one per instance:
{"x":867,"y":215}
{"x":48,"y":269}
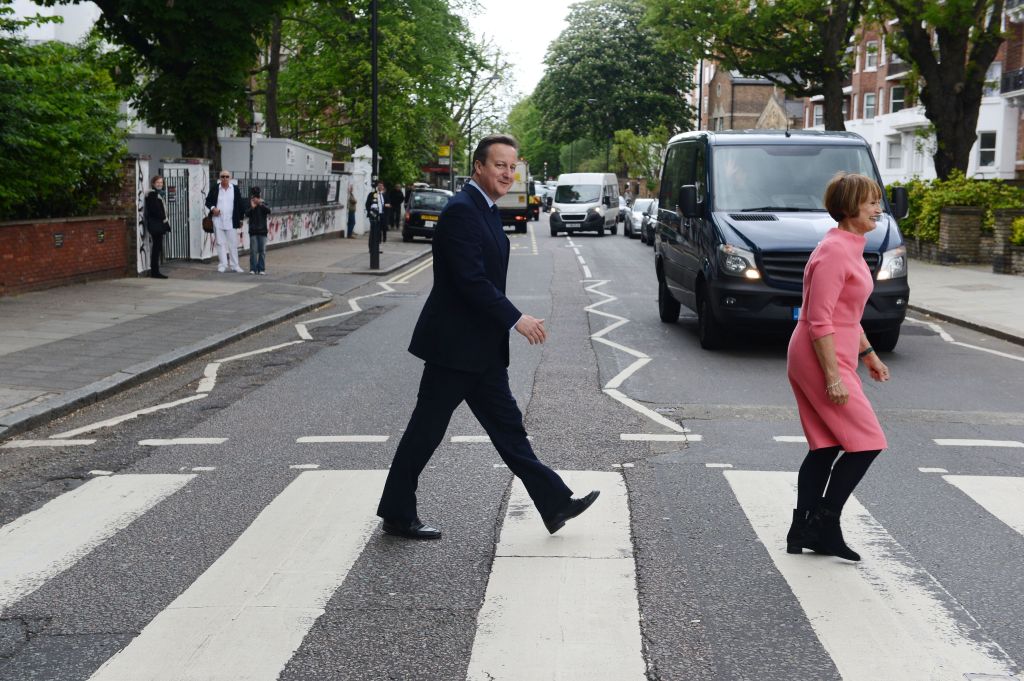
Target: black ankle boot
{"x":800,"y":536}
{"x":823,"y":528}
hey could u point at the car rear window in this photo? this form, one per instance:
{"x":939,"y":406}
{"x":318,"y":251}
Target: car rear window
{"x":428,"y":201}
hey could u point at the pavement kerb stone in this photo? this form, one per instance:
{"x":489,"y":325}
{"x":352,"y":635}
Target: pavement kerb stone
{"x":998,"y":333}
{"x":28,"y":418}
{"x":399,"y":265}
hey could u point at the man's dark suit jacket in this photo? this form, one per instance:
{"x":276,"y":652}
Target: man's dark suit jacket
{"x":237,"y":213}
{"x":466,"y":320}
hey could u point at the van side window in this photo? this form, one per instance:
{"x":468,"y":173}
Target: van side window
{"x":668,"y":195}
{"x":700,"y":177}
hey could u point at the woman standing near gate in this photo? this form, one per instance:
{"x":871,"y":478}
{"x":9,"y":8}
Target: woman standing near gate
{"x":155,"y":217}
{"x":822,"y":367}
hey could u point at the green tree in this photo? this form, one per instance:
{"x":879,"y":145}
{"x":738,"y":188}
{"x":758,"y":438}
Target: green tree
{"x":800,"y":45}
{"x":641,"y":154}
{"x":951,"y":44}
{"x":191,"y":59}
{"x":524,"y":123}
{"x":605,"y":72}
{"x":60,"y":142}
{"x":324,"y":84}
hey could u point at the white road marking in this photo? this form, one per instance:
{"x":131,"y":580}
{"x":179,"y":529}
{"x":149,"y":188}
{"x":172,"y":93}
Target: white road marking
{"x":99,"y":472}
{"x":949,"y":339}
{"x":203,"y":469}
{"x":917,"y":630}
{"x":649,"y":413}
{"x":248,"y":613}
{"x":932,"y":470}
{"x":586,"y":272}
{"x":580,"y":258}
{"x":305,"y":466}
{"x":303,"y":332}
{"x":404,"y":277}
{"x":790,"y":438}
{"x":718,"y":465}
{"x":24,"y":444}
{"x":125,"y":417}
{"x":953,"y":442}
{"x":464,"y":439}
{"x":171,"y":442}
{"x":659,"y":437}
{"x":622,"y":465}
{"x":315,"y":439}
{"x":43,"y":543}
{"x":209,"y":380}
{"x":1001,"y":496}
{"x":261,"y":351}
{"x":562,"y":606}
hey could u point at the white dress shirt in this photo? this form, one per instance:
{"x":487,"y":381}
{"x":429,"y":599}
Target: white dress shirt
{"x":226,"y":204}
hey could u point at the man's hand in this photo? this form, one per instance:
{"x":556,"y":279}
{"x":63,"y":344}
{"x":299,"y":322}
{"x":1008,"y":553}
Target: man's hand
{"x":215,"y":212}
{"x":532,"y":328}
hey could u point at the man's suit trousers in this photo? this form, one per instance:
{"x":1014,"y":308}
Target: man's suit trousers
{"x":488,"y":395}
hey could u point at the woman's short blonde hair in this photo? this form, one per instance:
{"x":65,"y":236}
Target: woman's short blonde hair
{"x":846,"y":191}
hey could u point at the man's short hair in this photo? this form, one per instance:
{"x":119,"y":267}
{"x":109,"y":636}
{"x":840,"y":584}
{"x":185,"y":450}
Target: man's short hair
{"x":484,"y":146}
{"x":846,"y":191}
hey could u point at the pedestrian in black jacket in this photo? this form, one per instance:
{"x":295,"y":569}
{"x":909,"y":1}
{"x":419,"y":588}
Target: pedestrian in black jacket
{"x":155,"y":219}
{"x":396,"y":197}
{"x":257,"y":213}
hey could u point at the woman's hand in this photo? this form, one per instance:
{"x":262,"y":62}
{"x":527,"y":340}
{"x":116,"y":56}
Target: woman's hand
{"x":837,"y":392}
{"x":876,"y":367}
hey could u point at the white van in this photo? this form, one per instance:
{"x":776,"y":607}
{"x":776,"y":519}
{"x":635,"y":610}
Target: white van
{"x":585,"y":202}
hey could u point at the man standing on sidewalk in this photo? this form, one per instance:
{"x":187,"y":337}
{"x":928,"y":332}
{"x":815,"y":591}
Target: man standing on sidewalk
{"x":462,"y":335}
{"x":227,"y":207}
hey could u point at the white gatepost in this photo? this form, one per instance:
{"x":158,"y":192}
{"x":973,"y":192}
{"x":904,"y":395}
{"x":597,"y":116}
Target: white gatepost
{"x":361,"y":181}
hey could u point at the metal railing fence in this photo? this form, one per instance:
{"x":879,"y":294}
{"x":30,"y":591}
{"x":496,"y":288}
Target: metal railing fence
{"x":284,"y":190}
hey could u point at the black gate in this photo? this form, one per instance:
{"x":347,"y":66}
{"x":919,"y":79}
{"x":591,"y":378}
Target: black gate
{"x":177,"y":246}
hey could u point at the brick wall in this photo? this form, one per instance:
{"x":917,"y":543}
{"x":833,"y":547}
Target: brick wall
{"x":47,"y":253}
{"x":959,"y":234}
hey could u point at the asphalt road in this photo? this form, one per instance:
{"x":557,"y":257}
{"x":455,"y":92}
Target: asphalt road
{"x":697,"y":587}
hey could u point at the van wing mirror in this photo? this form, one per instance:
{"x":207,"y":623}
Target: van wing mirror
{"x":899,"y":202}
{"x":607,"y":201}
{"x":688,"y":200}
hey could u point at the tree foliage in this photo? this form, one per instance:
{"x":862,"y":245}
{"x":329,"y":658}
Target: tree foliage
{"x":800,"y":45}
{"x":524,"y":122}
{"x":641,"y":155}
{"x":951,"y":44}
{"x":60,"y":142}
{"x":191,"y":59}
{"x":426,"y":62}
{"x":605,"y":72}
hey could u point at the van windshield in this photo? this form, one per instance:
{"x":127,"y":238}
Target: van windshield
{"x":578,"y":193}
{"x":781,"y":177}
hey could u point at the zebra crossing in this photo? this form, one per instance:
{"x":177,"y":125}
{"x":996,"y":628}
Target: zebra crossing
{"x":555,"y":607}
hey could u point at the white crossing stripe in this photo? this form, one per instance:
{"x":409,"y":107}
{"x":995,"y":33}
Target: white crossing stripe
{"x":24,"y":444}
{"x":883,"y":618}
{"x":247,"y":614}
{"x":562,"y":606}
{"x":315,"y":439}
{"x":1001,"y":496}
{"x":183,"y":441}
{"x":466,"y":439}
{"x":660,"y":437}
{"x":932,"y":470}
{"x":43,"y":543}
{"x":790,"y":438}
{"x":953,"y":442}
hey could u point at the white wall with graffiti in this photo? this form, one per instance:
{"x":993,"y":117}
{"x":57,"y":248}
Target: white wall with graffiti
{"x":143,"y":241}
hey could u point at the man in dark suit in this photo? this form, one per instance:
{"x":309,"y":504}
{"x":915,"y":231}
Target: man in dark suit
{"x":462,"y":335}
{"x":378,"y":209}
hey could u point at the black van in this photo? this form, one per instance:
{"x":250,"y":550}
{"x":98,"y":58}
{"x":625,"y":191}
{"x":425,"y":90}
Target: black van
{"x":739,"y":213}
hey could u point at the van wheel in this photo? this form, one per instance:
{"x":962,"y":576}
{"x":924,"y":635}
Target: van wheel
{"x":668,"y":307}
{"x":615,"y":230}
{"x":884,"y":341}
{"x":554,"y":232}
{"x":710,"y":331}
{"x":600,"y":230}
{"x":521,"y":229}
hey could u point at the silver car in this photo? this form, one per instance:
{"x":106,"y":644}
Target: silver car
{"x":635,"y":217}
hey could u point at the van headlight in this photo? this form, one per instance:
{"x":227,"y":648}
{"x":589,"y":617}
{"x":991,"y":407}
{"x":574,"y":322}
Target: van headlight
{"x":554,"y":210}
{"x":894,"y":264}
{"x":738,"y":262}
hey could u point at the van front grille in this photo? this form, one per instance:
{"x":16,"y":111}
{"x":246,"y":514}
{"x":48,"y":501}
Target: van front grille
{"x":788,"y":266}
{"x":573,"y":217}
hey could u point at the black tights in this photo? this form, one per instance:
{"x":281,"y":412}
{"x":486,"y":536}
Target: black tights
{"x":818,"y":470}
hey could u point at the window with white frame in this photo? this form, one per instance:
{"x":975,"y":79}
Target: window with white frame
{"x":881,"y":101}
{"x":987,"y":149}
{"x":894,"y":153}
{"x":855,"y":106}
{"x":819,"y":114}
{"x":897,"y":93}
{"x":869,"y":105}
{"x":992,"y":78}
{"x":871,"y":55}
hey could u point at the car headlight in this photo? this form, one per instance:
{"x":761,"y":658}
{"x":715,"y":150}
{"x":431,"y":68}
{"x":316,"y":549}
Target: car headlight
{"x":894,"y":264}
{"x":738,"y":262}
{"x":554,"y":210}
{"x":594,"y":213}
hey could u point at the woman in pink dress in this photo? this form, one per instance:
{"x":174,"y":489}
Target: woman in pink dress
{"x":822,"y":367}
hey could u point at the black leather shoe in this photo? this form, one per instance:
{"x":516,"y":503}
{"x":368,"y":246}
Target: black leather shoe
{"x":571,"y":510}
{"x":413,"y":530}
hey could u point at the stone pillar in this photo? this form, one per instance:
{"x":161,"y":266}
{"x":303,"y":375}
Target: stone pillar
{"x":1002,"y":229}
{"x":959,"y":233}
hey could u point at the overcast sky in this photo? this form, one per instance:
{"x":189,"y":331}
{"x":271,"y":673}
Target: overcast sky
{"x":524,"y":29}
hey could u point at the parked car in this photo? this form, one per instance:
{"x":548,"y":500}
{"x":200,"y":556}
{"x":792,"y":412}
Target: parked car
{"x":739,"y":214}
{"x":647,"y":224}
{"x":422,"y":208}
{"x":623,"y":210}
{"x":584,"y":203}
{"x":635,"y":217}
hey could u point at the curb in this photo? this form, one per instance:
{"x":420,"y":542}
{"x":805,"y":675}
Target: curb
{"x":998,"y":333}
{"x":30,"y":417}
{"x":400,"y":264}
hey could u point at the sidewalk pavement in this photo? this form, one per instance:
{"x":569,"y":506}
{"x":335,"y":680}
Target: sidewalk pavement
{"x":66,"y":347}
{"x":970,"y":295}
{"x":63,"y":348}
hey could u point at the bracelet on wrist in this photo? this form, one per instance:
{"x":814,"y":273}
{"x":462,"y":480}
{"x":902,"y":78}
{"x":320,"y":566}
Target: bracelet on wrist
{"x":833,"y":385}
{"x":865,"y":352}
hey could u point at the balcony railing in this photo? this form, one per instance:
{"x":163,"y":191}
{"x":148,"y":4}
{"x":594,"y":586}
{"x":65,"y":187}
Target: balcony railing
{"x":1012,"y":81}
{"x":1015,"y":10}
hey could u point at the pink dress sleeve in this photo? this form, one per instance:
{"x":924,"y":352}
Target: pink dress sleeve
{"x":826,"y":283}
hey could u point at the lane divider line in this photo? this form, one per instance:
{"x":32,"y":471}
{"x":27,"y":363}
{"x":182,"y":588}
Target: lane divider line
{"x":949,"y":339}
{"x":955,"y":442}
{"x":319,"y":439}
{"x":639,"y":408}
{"x":790,"y":438}
{"x":932,"y":470}
{"x":659,"y":437}
{"x":170,"y":442}
{"x":25,"y":444}
{"x":126,"y":417}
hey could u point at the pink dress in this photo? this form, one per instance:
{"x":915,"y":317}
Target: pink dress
{"x":837,"y":283}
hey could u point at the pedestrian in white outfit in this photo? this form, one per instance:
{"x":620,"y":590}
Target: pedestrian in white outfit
{"x":224,"y":202}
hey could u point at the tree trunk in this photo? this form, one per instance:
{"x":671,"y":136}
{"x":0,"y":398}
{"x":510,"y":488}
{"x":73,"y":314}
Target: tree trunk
{"x":836,"y":30}
{"x":203,"y":146}
{"x":273,"y":69}
{"x":833,"y":87}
